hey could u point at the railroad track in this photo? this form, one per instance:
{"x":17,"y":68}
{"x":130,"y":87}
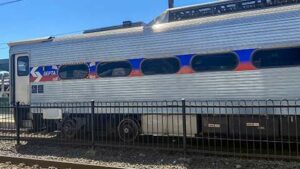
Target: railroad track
{"x":51,"y":163}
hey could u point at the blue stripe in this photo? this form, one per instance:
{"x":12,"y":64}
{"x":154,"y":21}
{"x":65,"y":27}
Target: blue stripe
{"x":245,"y":55}
{"x":135,"y":63}
{"x":185,"y":59}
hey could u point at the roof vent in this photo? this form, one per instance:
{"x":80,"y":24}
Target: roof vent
{"x":126,"y":24}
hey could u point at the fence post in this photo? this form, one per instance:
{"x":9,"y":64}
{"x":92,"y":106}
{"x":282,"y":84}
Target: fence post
{"x":92,"y":123}
{"x":17,"y":111}
{"x":184,"y":125}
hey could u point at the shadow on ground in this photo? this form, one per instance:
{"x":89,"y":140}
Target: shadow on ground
{"x":144,"y":158}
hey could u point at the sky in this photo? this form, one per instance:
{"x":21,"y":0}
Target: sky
{"x":28,"y":19}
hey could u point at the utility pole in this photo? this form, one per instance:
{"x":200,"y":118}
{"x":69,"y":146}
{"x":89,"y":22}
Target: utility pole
{"x":171,"y":4}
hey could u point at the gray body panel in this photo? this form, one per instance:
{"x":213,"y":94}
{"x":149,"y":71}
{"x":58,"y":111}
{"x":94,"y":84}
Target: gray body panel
{"x":257,"y":84}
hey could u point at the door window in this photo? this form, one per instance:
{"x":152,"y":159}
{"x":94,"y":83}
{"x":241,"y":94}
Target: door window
{"x":23,"y":66}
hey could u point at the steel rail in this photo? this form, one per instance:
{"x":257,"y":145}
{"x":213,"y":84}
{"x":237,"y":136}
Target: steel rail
{"x":51,"y":163}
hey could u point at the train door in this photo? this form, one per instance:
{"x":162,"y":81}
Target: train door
{"x":22,"y":86}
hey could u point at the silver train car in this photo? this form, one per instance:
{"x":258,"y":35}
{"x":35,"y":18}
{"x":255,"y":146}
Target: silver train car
{"x":232,"y":50}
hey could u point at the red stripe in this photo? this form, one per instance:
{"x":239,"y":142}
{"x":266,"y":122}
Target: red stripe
{"x":32,"y":79}
{"x":49,"y":78}
{"x":185,"y":70}
{"x":93,"y":76}
{"x":135,"y":73}
{"x":245,"y":66}
{"x":45,"y":78}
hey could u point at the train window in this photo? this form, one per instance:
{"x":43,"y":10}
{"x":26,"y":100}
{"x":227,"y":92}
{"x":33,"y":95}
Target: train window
{"x":271,"y":58}
{"x":215,"y":62}
{"x":23,"y":66}
{"x":160,"y":66}
{"x":114,"y":69}
{"x":79,"y":71}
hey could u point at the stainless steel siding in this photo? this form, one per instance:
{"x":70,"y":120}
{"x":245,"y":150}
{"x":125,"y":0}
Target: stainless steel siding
{"x":196,"y":37}
{"x":257,"y":84}
{"x":265,"y":30}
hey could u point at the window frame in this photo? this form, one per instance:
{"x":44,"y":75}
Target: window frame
{"x":226,"y":52}
{"x":27,"y":67}
{"x":268,"y":49}
{"x":58,"y":71}
{"x":145,"y":59}
{"x":114,"y":62}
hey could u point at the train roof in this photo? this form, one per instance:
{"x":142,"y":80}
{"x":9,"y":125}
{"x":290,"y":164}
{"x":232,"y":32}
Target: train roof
{"x":176,"y":17}
{"x":222,"y":7}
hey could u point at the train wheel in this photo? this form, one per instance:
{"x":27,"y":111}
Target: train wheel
{"x":128,"y":130}
{"x":69,"y":129}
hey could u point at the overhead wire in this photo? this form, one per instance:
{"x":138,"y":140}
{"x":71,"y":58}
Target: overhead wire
{"x":15,"y":1}
{"x":4,"y":48}
{"x":10,"y":2}
{"x":3,"y":4}
{"x":2,"y":44}
{"x":58,"y":34}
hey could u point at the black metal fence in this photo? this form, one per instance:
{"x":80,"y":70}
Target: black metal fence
{"x":250,"y":128}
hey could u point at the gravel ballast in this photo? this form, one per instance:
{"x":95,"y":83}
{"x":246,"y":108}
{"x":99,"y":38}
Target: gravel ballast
{"x":9,"y":165}
{"x":131,"y":158}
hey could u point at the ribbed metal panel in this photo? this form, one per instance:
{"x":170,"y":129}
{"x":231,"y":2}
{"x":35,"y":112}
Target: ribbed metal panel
{"x":189,"y":37}
{"x":258,"y":84}
{"x":276,"y":27}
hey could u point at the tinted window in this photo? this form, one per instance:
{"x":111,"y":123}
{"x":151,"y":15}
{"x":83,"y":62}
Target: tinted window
{"x":215,"y":62}
{"x":23,"y":66}
{"x":276,"y":58}
{"x":114,"y":69}
{"x":160,"y":66}
{"x":73,"y":71}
